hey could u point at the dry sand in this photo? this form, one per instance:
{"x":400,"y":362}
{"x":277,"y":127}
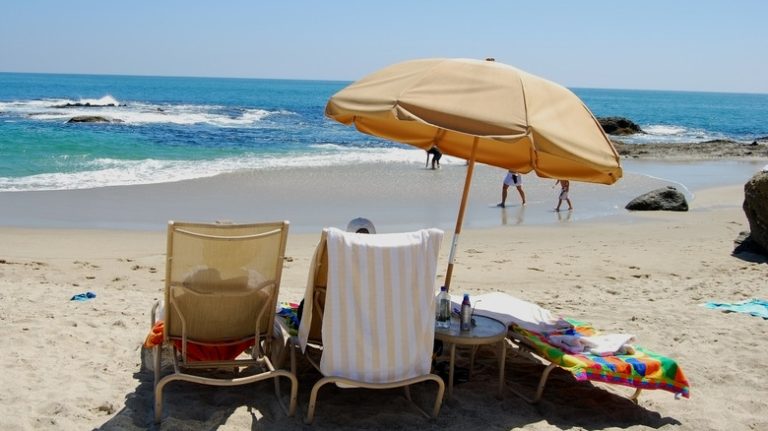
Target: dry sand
{"x":72,"y":365}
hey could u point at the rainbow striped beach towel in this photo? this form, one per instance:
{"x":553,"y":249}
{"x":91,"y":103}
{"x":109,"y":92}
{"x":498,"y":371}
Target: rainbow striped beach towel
{"x":642,"y":369}
{"x":532,"y":325}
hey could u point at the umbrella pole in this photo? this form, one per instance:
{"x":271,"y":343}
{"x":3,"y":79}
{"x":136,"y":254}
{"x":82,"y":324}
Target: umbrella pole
{"x":460,"y":218}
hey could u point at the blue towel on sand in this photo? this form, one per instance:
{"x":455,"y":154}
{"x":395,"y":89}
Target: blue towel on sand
{"x":83,"y":296}
{"x":754,"y":307}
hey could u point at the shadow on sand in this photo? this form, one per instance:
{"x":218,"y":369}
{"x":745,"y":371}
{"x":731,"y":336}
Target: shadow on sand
{"x":566,"y":404}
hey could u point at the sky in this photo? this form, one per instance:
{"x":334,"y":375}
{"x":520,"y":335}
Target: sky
{"x":653,"y":44}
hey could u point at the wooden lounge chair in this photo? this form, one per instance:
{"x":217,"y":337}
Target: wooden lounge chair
{"x":221,"y":287}
{"x":369,"y":311}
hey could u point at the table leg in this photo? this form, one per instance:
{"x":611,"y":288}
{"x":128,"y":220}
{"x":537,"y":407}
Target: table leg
{"x":472,"y":360}
{"x":450,"y":370}
{"x":502,"y":362}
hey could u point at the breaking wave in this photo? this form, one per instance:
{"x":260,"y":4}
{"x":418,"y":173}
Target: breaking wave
{"x":137,"y":113}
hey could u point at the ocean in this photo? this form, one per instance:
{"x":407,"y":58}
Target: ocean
{"x":167,"y":129}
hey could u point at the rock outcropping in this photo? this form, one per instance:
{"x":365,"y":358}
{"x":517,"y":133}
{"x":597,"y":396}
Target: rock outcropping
{"x":88,"y":119}
{"x":618,"y":126}
{"x":756,"y":208}
{"x":663,"y":199}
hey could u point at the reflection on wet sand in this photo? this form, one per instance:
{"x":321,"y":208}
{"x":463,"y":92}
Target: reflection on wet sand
{"x":515,"y":215}
{"x":564,"y":216}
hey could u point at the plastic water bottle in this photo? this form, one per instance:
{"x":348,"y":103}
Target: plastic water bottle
{"x":443,"y":311}
{"x":466,"y":313}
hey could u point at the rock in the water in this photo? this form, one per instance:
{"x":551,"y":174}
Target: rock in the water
{"x":756,"y":208}
{"x":83,"y":105}
{"x":88,"y":119}
{"x":618,"y":126}
{"x":663,"y":199}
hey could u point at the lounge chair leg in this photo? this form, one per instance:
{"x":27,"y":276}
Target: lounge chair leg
{"x":157,"y":351}
{"x":293,"y":348}
{"x":313,"y":399}
{"x":539,"y":389}
{"x":543,"y":382}
{"x":439,"y":397}
{"x":294,"y":391}
{"x":159,"y":396}
{"x":158,"y":407}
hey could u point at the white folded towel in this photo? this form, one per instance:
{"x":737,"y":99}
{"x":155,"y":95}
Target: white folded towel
{"x":600,"y":345}
{"x":508,"y":310}
{"x":610,"y":344}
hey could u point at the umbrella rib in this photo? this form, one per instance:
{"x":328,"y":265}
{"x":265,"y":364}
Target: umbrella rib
{"x":528,"y":132}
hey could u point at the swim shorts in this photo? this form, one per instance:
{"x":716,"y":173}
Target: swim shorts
{"x":513,"y":179}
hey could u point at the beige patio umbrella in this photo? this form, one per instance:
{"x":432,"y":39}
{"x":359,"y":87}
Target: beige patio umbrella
{"x":481,"y":111}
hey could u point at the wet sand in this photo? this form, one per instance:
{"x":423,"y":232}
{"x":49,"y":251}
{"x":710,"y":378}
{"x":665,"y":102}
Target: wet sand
{"x":395,"y":196}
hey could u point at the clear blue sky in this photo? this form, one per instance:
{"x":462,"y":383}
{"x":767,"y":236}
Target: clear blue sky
{"x":653,"y":44}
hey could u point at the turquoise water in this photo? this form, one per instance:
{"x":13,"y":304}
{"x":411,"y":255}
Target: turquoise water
{"x":170,"y":129}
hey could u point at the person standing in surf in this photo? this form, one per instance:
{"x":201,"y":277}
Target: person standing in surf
{"x":512,"y":179}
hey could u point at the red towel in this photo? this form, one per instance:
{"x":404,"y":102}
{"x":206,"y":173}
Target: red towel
{"x":199,"y":352}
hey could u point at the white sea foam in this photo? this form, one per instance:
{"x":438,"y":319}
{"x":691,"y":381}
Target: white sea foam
{"x":136,"y":112}
{"x":103,"y":101}
{"x":660,"y":129}
{"x":115,"y":172}
{"x":664,"y":133}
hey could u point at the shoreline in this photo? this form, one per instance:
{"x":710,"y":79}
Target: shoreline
{"x":394,"y":196}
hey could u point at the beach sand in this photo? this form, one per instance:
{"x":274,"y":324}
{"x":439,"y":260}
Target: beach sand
{"x":70,"y":365}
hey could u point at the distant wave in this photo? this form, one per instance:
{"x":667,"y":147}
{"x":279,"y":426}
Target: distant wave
{"x":666,"y":133}
{"x":104,"y":101}
{"x":138,"y":113}
{"x":114,"y":172}
{"x":661,"y":130}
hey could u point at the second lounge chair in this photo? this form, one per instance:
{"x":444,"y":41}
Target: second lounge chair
{"x":369,"y":309}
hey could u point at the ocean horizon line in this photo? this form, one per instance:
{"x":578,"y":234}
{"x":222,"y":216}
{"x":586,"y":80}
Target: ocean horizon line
{"x":349,"y":81}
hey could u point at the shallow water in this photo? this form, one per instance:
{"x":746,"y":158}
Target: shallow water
{"x":394,"y":196}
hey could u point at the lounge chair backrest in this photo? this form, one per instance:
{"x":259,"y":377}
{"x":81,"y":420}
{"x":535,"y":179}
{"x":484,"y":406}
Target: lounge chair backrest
{"x":378,"y":319}
{"x":223,"y":280}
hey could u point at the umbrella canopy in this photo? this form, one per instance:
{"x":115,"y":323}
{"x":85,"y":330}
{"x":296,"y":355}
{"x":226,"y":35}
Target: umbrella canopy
{"x":481,"y":111}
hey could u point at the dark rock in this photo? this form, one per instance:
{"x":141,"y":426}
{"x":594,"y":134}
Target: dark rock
{"x":88,"y":119}
{"x":756,"y":208}
{"x":745,"y":244}
{"x":663,"y":199}
{"x":83,"y":105}
{"x":618,"y":126}
{"x":720,"y":141}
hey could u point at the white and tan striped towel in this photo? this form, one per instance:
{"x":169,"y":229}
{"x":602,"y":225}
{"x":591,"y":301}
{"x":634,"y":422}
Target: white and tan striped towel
{"x":378,"y":324}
